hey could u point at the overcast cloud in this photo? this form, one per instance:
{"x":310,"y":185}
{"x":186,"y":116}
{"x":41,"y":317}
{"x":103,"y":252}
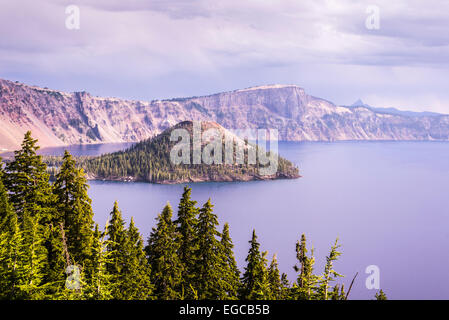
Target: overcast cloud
{"x":161,"y":49}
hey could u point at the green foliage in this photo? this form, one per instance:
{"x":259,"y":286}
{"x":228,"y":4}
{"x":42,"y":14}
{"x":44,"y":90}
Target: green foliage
{"x":275,"y":281}
{"x":137,"y":284}
{"x":33,"y":260}
{"x":255,"y":283}
{"x":74,"y":208}
{"x":329,"y":274}
{"x":12,"y":260}
{"x":49,"y":248}
{"x":309,"y":286}
{"x":230,"y":274}
{"x":208,"y":254}
{"x":8,"y":217}
{"x":116,"y":248}
{"x":162,"y":251}
{"x":28,"y":182}
{"x":380,"y":295}
{"x":22,"y":255}
{"x":305,"y":286}
{"x":100,"y":284}
{"x":186,"y":231}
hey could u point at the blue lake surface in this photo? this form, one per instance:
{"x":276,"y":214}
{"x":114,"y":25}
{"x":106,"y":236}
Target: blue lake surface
{"x":387,"y":202}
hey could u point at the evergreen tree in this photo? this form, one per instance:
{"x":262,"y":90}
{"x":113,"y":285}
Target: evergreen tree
{"x":262,"y":289}
{"x":338,"y":293}
{"x":116,"y":248}
{"x":34,"y":257}
{"x":12,"y":249}
{"x":31,"y":196}
{"x":7,"y":214}
{"x":28,"y":182}
{"x":74,"y":208}
{"x":59,"y":260}
{"x":12,"y":273}
{"x":285,"y":287}
{"x":208,"y":255}
{"x":11,"y":242}
{"x":74,"y":284}
{"x":186,"y":227}
{"x":305,"y":286}
{"x":229,"y":271}
{"x":255,"y":278}
{"x":274,"y":279}
{"x":162,"y":252}
{"x":136,"y":268}
{"x":329,"y":274}
{"x":381,"y":295}
{"x":99,"y":285}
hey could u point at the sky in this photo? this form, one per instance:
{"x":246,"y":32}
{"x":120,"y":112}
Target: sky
{"x":387,"y":53}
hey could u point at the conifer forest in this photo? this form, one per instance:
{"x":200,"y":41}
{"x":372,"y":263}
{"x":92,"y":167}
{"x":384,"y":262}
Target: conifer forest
{"x":51,"y":247}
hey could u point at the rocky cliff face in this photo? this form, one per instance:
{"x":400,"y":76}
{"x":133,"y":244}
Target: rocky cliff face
{"x":59,"y":118}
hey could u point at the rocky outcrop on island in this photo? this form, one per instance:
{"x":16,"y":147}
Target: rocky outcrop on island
{"x":222,"y":156}
{"x":60,"y":118}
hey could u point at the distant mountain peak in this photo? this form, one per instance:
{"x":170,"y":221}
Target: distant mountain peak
{"x":359,"y":103}
{"x":394,"y":111}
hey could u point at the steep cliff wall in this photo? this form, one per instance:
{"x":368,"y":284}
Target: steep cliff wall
{"x":59,"y":118}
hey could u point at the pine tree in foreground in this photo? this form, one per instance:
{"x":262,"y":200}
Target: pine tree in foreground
{"x":74,"y":209}
{"x":99,"y":286}
{"x":255,"y":278}
{"x":208,"y":255}
{"x":329,"y":274}
{"x":274,"y":279}
{"x":20,"y":268}
{"x":305,"y":286}
{"x":28,"y":183}
{"x":285,"y":287}
{"x":60,"y":261}
{"x":136,"y":269}
{"x":8,"y":217}
{"x":31,"y":196}
{"x":162,"y":251}
{"x":116,"y":233}
{"x":34,"y":256}
{"x":338,"y":293}
{"x":73,"y":279}
{"x":186,"y":230}
{"x":230,"y":274}
{"x":12,"y":273}
{"x":380,"y":295}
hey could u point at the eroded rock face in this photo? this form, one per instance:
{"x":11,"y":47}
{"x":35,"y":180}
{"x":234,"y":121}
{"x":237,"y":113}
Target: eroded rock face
{"x":59,"y":118}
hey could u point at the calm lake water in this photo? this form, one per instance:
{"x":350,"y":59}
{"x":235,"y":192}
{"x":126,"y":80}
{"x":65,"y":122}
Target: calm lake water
{"x":387,"y":202}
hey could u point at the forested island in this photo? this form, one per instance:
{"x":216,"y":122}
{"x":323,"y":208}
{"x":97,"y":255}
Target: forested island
{"x":51,"y":248}
{"x":149,"y":161}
